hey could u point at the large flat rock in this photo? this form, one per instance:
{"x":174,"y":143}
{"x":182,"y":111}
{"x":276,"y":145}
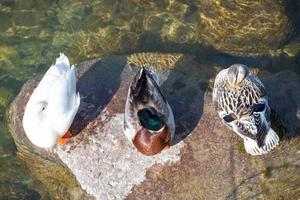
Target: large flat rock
{"x":206,"y":161}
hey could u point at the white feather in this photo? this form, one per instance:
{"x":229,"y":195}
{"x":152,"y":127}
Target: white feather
{"x":271,"y":141}
{"x":52,"y":106}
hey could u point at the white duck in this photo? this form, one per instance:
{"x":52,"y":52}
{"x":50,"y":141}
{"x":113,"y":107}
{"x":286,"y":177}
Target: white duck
{"x":242,"y":104}
{"x":52,"y":106}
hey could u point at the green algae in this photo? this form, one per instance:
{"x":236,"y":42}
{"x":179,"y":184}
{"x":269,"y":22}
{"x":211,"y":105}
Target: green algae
{"x":6,"y":95}
{"x":7,"y":53}
{"x":241,"y":148}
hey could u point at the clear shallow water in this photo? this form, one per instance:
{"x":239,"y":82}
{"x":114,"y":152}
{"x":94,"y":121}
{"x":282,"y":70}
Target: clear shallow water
{"x":32,"y":33}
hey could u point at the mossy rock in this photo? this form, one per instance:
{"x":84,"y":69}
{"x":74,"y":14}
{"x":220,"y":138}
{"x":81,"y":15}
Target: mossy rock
{"x":17,"y":191}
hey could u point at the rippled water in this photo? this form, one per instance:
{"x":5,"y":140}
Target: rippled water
{"x":33,"y":32}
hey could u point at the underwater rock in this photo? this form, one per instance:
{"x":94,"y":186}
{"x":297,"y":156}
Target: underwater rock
{"x":17,"y":192}
{"x":245,"y":28}
{"x":7,"y":22}
{"x":6,"y":53}
{"x":6,"y":95}
{"x":293,"y":48}
{"x":171,"y":28}
{"x":28,"y":18}
{"x":206,"y":160}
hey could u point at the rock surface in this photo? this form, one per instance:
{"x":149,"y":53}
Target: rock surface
{"x":206,"y":161}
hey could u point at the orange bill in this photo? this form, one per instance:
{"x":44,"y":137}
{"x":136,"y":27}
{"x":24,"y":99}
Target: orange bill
{"x":65,"y":137}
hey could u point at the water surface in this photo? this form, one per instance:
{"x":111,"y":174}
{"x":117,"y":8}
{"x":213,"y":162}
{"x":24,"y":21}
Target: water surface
{"x":32,"y":33}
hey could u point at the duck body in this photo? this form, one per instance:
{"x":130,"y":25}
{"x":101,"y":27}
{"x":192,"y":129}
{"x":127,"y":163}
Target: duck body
{"x":242,"y":103}
{"x":148,"y":119}
{"x":53,"y":104}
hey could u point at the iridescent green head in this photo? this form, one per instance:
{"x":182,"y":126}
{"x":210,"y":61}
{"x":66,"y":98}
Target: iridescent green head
{"x":151,"y":119}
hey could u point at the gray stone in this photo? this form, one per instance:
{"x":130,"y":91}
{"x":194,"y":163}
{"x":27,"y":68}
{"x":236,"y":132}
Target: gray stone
{"x":206,"y":160}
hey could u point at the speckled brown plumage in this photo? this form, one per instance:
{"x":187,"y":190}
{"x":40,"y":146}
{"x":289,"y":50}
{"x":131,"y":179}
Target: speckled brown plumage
{"x":241,"y":101}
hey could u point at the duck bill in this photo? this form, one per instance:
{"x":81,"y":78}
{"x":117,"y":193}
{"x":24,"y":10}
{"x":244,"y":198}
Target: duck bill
{"x":64,"y":138}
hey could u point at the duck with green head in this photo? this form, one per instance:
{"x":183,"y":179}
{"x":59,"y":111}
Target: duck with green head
{"x":148,"y":120}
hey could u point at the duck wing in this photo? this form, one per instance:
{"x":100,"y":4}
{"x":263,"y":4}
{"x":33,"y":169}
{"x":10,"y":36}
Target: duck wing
{"x":235,"y":105}
{"x":254,"y":126}
{"x":63,"y":101}
{"x":144,"y":94}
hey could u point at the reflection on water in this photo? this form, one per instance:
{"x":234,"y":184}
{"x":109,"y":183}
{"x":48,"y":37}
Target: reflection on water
{"x":32,"y":33}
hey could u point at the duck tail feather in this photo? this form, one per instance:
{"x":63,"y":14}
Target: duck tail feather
{"x":62,"y":61}
{"x":271,"y":141}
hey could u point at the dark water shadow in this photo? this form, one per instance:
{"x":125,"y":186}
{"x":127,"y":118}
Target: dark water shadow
{"x":184,"y":90}
{"x":284,"y":100}
{"x":97,"y":87}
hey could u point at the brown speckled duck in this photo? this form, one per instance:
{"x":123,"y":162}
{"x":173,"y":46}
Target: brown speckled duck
{"x":241,"y":101}
{"x":148,"y":120}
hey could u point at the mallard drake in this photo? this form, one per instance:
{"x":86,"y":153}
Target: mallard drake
{"x":242,"y":104}
{"x":148,"y":120}
{"x":52,"y":106}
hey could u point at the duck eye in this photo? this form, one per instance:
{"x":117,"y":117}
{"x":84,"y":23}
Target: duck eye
{"x":228,"y":118}
{"x":258,"y":107}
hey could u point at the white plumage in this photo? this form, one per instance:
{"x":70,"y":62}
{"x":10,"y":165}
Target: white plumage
{"x":53,"y":104}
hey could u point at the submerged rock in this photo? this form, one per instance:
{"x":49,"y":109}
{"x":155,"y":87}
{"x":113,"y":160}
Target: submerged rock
{"x":6,"y":95}
{"x":206,"y":161}
{"x":245,"y":28}
{"x":17,"y":192}
{"x":293,"y":48}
